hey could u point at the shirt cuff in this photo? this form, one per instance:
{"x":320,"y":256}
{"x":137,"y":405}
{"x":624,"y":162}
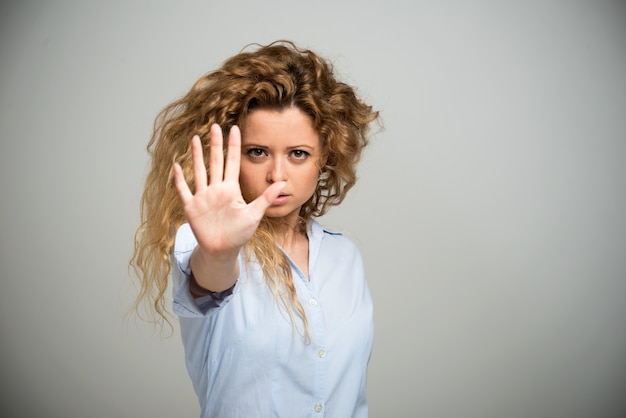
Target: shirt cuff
{"x":184,"y":303}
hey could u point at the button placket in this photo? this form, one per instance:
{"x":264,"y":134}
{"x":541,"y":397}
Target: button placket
{"x":318,"y":352}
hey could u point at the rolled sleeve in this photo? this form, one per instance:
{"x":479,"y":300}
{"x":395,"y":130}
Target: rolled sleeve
{"x":184,"y":303}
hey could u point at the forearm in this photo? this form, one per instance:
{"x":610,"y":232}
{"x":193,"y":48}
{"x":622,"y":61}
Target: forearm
{"x":214,"y":272}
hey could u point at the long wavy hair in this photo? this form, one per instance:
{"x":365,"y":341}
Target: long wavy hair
{"x":275,"y":76}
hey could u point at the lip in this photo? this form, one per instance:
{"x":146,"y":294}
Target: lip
{"x":281,"y":199}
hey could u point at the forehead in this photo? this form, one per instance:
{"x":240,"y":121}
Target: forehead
{"x":277,"y":126}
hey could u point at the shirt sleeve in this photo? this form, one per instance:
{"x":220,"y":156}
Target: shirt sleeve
{"x":184,"y":304}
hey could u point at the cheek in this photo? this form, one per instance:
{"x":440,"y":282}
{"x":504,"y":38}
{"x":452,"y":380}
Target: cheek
{"x":250,"y":184}
{"x":310,"y":180}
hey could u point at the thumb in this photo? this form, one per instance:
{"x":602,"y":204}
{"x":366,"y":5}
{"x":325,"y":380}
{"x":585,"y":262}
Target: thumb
{"x":261,"y":203}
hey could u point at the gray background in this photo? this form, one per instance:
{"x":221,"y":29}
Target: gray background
{"x":490,"y":211}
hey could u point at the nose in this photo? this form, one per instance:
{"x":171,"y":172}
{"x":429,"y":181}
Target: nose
{"x":277,"y":171}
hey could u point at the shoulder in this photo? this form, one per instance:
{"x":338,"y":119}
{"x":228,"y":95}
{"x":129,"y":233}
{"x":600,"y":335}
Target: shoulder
{"x":185,"y":240}
{"x":333,"y":238}
{"x":319,"y":232}
{"x":317,"y":227}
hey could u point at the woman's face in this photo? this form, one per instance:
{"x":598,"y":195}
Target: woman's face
{"x":280,"y":145}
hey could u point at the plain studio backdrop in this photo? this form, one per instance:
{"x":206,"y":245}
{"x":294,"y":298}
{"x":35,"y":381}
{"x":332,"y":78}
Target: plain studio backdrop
{"x":491,"y":210}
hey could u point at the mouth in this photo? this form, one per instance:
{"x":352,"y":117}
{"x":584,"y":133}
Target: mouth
{"x":281,"y":199}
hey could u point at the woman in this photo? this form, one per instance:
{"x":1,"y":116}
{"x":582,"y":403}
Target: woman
{"x":275,"y":313}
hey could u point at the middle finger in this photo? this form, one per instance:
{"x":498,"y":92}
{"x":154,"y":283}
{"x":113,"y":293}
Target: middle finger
{"x":233,"y":158}
{"x":216,"y":157}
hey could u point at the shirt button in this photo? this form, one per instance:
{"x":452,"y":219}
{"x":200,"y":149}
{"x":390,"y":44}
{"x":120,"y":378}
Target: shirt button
{"x":321,"y":353}
{"x":318,"y":408}
{"x":313,"y":303}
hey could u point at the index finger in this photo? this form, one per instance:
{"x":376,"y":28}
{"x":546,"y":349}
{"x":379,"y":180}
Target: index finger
{"x":233,"y":158}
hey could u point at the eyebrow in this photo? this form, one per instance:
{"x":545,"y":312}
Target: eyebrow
{"x":301,"y":146}
{"x":254,"y":145}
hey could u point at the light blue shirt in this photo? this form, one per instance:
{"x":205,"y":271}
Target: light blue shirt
{"x":243,"y":355}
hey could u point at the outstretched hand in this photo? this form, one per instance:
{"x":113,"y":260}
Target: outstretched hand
{"x":220,"y":218}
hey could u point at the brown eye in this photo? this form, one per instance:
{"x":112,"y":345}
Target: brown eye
{"x":255,"y":152}
{"x":299,"y":154}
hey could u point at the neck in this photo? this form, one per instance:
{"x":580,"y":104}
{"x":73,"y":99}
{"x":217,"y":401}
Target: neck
{"x":287,"y":234}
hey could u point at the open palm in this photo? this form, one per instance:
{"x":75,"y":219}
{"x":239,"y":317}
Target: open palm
{"x":221,"y":220}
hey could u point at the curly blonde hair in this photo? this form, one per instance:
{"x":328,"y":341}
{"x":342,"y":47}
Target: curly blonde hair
{"x":275,"y":76}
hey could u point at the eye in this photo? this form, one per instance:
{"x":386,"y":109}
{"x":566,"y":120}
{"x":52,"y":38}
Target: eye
{"x":256,"y":152}
{"x":299,"y":154}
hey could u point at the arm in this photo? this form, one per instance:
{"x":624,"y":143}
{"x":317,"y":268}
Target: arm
{"x":220,"y":218}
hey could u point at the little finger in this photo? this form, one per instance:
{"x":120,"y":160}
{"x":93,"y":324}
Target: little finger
{"x":199,"y":169}
{"x":181,"y":184}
